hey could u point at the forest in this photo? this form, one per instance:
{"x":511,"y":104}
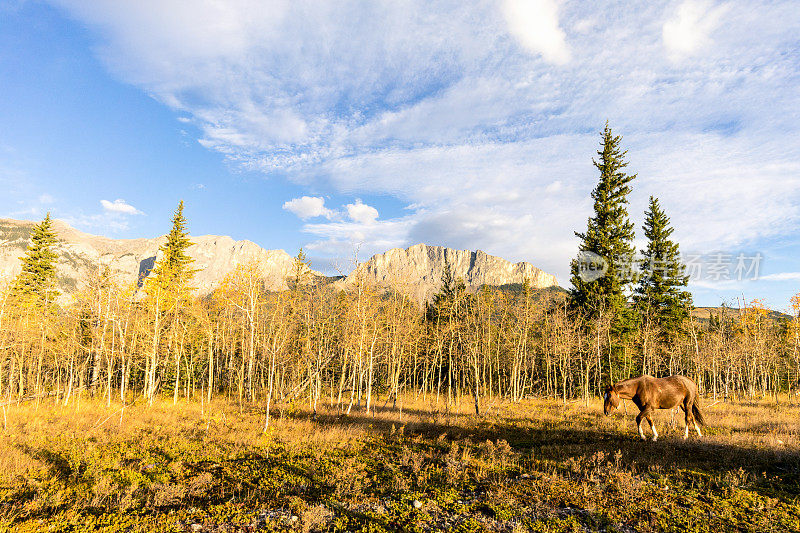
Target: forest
{"x":366,"y":347}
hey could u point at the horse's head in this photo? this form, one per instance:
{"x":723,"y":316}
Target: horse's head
{"x":610,"y":400}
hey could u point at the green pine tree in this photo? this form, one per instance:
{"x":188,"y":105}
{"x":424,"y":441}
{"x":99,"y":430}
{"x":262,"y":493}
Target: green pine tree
{"x":301,"y":273}
{"x":659,"y":295}
{"x":173,"y":271}
{"x":609,"y":234}
{"x":451,"y":302}
{"x":38,"y":276}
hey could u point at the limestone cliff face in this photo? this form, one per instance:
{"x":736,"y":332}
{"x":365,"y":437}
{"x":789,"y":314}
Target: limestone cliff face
{"x":130,"y":259}
{"x":417,"y":271}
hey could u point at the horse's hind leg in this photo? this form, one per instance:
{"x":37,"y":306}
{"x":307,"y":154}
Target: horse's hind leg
{"x":639,"y":418}
{"x":652,"y":425}
{"x":689,"y":419}
{"x":696,"y":425}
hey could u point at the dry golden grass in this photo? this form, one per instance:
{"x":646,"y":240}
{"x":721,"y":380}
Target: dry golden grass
{"x":518,"y":465}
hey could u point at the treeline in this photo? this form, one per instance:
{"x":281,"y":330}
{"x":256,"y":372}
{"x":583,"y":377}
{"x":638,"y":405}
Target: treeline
{"x":363,"y":349}
{"x":360,"y":349}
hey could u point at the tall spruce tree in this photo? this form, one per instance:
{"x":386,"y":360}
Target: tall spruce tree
{"x":452,"y":301}
{"x":173,"y":271}
{"x":609,"y":234}
{"x":659,"y":296}
{"x":38,"y":276}
{"x":301,"y":276}
{"x":169,"y":294}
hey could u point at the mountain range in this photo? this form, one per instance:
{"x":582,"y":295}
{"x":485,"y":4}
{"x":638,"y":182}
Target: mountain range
{"x":417,"y":270}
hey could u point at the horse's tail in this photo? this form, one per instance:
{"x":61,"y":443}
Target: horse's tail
{"x":698,"y":416}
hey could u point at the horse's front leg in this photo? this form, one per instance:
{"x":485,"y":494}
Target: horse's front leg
{"x":647,"y":414}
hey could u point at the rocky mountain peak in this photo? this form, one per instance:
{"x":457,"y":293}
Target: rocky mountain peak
{"x":132,"y":259}
{"x":417,"y":270}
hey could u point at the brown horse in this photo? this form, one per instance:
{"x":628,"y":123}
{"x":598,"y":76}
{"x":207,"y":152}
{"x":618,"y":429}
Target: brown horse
{"x":649,"y":394}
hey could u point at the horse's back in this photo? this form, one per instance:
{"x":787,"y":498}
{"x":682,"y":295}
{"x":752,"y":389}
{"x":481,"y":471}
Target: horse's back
{"x":673,"y":390}
{"x":683,"y":386}
{"x":661,"y":393}
{"x":683,"y":381}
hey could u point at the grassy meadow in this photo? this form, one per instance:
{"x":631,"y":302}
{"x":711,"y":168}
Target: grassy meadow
{"x":537,"y":465}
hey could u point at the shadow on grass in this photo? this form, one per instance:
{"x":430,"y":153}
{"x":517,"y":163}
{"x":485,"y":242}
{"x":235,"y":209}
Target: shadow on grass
{"x":276,"y":476}
{"x":772,"y":472}
{"x":58,"y":465}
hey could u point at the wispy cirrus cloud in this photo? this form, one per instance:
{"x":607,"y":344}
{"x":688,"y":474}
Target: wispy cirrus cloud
{"x":471,"y":113}
{"x":113,"y":218}
{"x":782,"y":276}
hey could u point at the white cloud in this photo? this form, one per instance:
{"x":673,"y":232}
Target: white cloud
{"x":535,"y":24}
{"x":100,"y":222}
{"x":119,"y":206}
{"x":33,"y":212}
{"x":46,"y":199}
{"x":260,"y":78}
{"x":114,"y":217}
{"x":437,"y":105}
{"x":554,"y":187}
{"x":500,"y":197}
{"x":361,"y":212}
{"x":782,"y":276}
{"x":585,"y":25}
{"x":688,"y":30}
{"x":307,"y":207}
{"x":489,"y":197}
{"x":346,"y":241}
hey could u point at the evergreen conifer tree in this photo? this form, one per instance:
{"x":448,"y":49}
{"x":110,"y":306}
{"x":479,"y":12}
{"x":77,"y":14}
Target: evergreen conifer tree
{"x":609,"y":234}
{"x":659,"y":295}
{"x":173,"y":271}
{"x":301,"y":273}
{"x":451,"y":302}
{"x":38,"y":276}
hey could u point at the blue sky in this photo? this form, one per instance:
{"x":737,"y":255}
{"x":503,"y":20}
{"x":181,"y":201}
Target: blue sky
{"x":344,"y":126}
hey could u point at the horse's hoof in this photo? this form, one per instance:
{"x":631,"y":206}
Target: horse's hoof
{"x":655,"y":439}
